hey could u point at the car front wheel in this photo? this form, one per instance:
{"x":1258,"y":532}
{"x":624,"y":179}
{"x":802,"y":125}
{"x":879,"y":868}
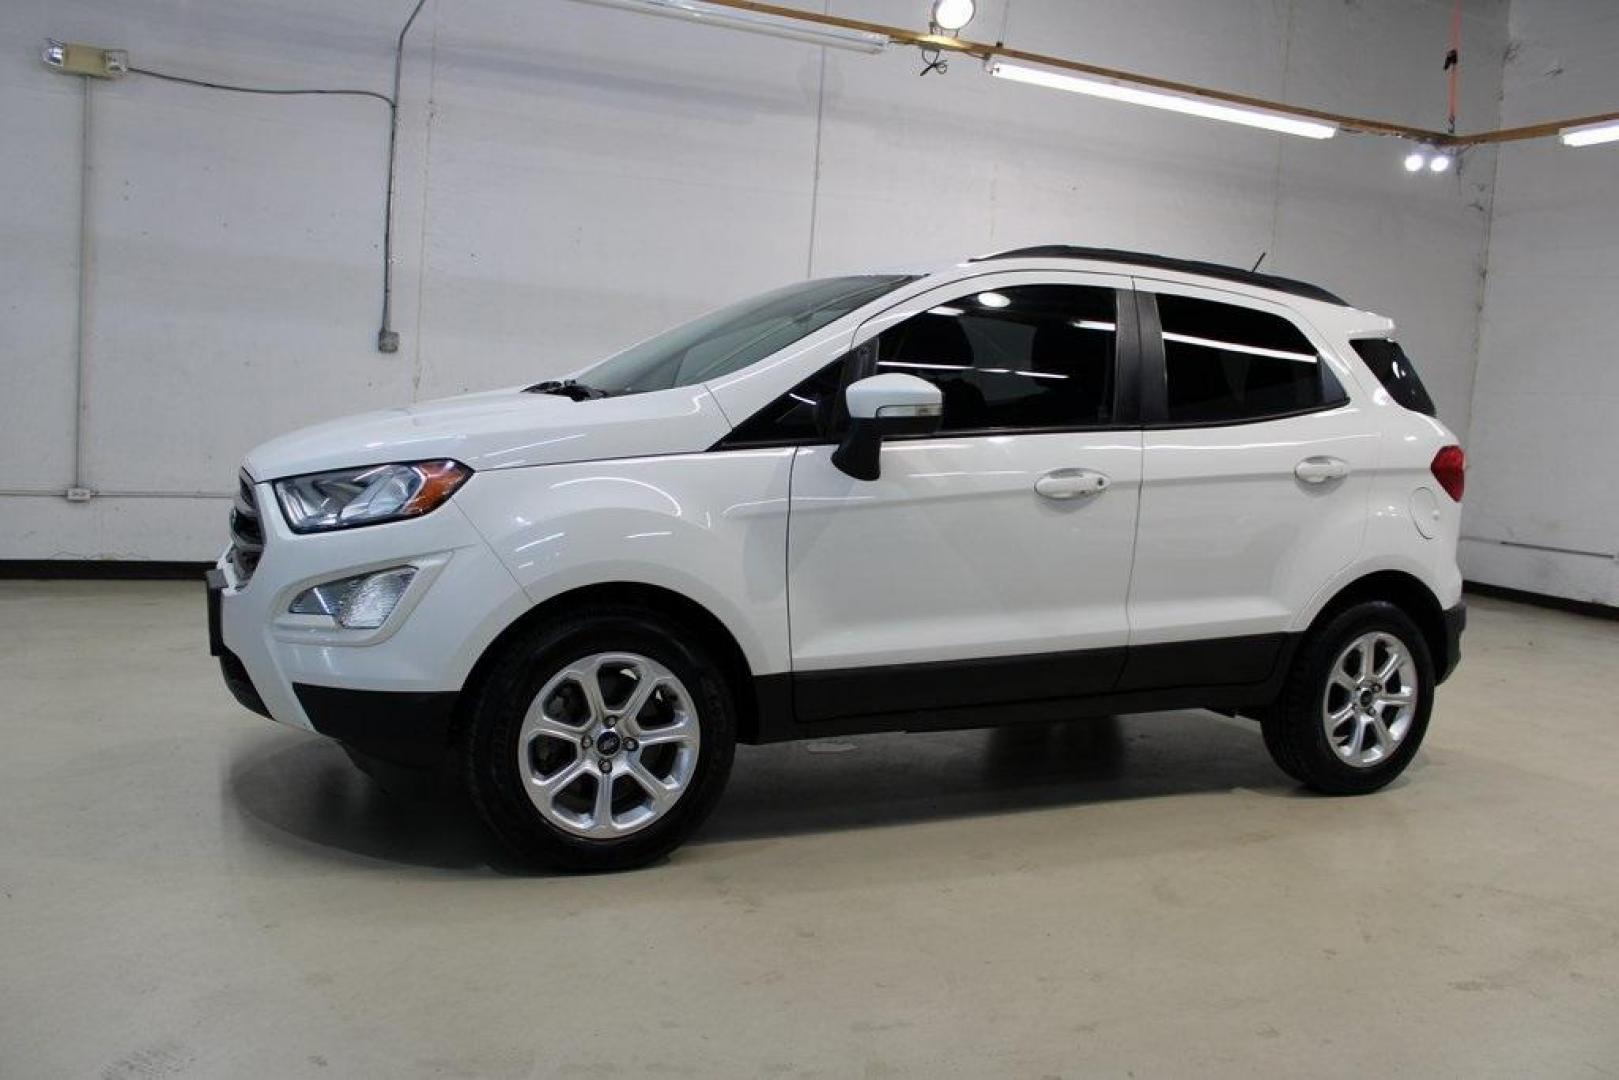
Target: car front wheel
{"x":601,"y":740}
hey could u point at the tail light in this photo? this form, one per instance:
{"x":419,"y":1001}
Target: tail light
{"x":1450,"y":469}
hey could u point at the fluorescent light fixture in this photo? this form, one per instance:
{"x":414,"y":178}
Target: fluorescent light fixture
{"x":921,"y":366}
{"x":1155,"y":99}
{"x":1232,"y":346}
{"x":755,"y":22}
{"x":1590,"y":134}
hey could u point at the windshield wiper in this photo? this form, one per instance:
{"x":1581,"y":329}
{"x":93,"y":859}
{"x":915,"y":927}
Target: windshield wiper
{"x":568,"y":388}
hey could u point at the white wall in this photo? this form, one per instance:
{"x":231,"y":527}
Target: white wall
{"x":1543,"y":495}
{"x":573,"y":178}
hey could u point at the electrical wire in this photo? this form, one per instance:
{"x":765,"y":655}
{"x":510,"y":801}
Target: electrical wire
{"x":1453,"y":66}
{"x":387,"y":340}
{"x":237,"y":89}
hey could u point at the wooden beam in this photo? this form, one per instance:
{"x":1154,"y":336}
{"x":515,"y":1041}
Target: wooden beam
{"x":985,"y":51}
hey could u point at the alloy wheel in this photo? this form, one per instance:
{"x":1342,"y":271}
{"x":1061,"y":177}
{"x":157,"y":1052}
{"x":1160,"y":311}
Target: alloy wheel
{"x":608,"y":745}
{"x":1370,"y":700}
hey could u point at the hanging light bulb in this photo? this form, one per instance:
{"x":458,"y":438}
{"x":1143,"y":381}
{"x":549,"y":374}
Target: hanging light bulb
{"x":951,"y":15}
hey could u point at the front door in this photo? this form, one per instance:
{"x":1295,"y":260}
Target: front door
{"x":990,"y":561}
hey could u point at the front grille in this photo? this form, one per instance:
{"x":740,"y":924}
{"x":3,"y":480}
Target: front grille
{"x":246,"y":530}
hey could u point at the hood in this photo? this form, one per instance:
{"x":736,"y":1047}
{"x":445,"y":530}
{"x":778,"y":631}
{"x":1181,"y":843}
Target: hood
{"x":501,"y":429}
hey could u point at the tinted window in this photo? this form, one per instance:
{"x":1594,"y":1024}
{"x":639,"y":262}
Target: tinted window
{"x":1225,"y":363}
{"x":1032,"y":356}
{"x":731,"y":338}
{"x":1393,"y":369}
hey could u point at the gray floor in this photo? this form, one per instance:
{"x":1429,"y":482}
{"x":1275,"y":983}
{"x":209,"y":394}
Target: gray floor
{"x":189,"y":890}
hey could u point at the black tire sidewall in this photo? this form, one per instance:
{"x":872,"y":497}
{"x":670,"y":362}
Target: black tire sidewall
{"x":528,"y":662}
{"x":1313,"y":758}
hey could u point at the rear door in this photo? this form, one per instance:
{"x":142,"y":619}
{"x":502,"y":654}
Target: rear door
{"x":986,"y":563}
{"x":1256,"y":466}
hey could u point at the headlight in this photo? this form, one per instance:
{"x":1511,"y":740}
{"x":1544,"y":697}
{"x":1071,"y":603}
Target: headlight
{"x":345,"y":498}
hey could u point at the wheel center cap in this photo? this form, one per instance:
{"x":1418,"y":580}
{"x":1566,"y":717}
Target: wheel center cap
{"x":609,"y":742}
{"x":1367,"y":697}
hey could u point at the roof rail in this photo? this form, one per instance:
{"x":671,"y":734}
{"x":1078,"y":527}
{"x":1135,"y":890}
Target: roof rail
{"x":1165,"y":262}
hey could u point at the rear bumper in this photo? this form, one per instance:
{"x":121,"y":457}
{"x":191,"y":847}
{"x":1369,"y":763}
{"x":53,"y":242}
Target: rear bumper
{"x":1455,"y":622}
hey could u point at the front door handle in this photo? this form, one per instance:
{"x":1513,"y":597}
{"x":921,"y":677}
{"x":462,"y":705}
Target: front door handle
{"x":1318,"y":470}
{"x":1071,"y":483}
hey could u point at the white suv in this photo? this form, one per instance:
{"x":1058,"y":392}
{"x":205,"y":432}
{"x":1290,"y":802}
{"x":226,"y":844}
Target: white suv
{"x":1038,"y":485}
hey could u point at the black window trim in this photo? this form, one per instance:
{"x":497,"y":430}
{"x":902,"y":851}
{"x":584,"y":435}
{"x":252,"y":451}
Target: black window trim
{"x":1155,"y":375}
{"x":1127,"y":367}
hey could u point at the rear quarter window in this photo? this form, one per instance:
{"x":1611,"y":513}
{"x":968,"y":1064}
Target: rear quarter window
{"x":1396,"y":372}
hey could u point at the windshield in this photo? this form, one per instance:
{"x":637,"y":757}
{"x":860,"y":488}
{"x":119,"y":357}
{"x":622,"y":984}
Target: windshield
{"x":733,"y":337}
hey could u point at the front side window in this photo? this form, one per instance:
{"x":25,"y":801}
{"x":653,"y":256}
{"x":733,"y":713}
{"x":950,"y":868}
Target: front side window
{"x":731,"y":338}
{"x":1022,"y":357}
{"x":1224,"y":363}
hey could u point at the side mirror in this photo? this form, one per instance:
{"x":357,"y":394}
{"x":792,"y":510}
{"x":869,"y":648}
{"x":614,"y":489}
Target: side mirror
{"x":882,"y":407}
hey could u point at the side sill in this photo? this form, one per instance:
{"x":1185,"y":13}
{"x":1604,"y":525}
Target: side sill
{"x":827,"y":695}
{"x":780,"y":727}
{"x":1229,"y":674}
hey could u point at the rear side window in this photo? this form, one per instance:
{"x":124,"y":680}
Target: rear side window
{"x":1224,"y":363}
{"x":1394,"y":370}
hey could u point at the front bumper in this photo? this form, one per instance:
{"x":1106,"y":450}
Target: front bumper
{"x":389,"y":691}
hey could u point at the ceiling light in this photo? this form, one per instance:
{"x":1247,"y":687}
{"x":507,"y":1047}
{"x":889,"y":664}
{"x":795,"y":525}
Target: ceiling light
{"x":1192,"y":106}
{"x":1590,"y":134}
{"x":951,"y":15}
{"x":1439,"y":162}
{"x":756,"y":22}
{"x":72,"y":58}
{"x":1415,"y":160}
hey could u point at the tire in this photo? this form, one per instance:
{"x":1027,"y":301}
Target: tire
{"x":514,"y":744}
{"x":1389,"y":718}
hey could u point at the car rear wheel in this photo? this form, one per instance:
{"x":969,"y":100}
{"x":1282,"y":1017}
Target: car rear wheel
{"x":1356,"y":704}
{"x":600,"y":741}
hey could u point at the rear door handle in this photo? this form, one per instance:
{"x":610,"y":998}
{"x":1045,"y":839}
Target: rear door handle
{"x":1318,"y":470}
{"x":1071,"y":483}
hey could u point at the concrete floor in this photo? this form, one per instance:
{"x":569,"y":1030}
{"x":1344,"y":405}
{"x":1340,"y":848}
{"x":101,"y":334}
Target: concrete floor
{"x":189,"y":890}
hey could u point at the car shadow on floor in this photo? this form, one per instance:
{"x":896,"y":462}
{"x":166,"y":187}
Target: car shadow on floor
{"x":302,"y":790}
{"x":881,"y":780}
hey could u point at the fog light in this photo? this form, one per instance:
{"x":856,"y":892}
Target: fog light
{"x":362,"y":602}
